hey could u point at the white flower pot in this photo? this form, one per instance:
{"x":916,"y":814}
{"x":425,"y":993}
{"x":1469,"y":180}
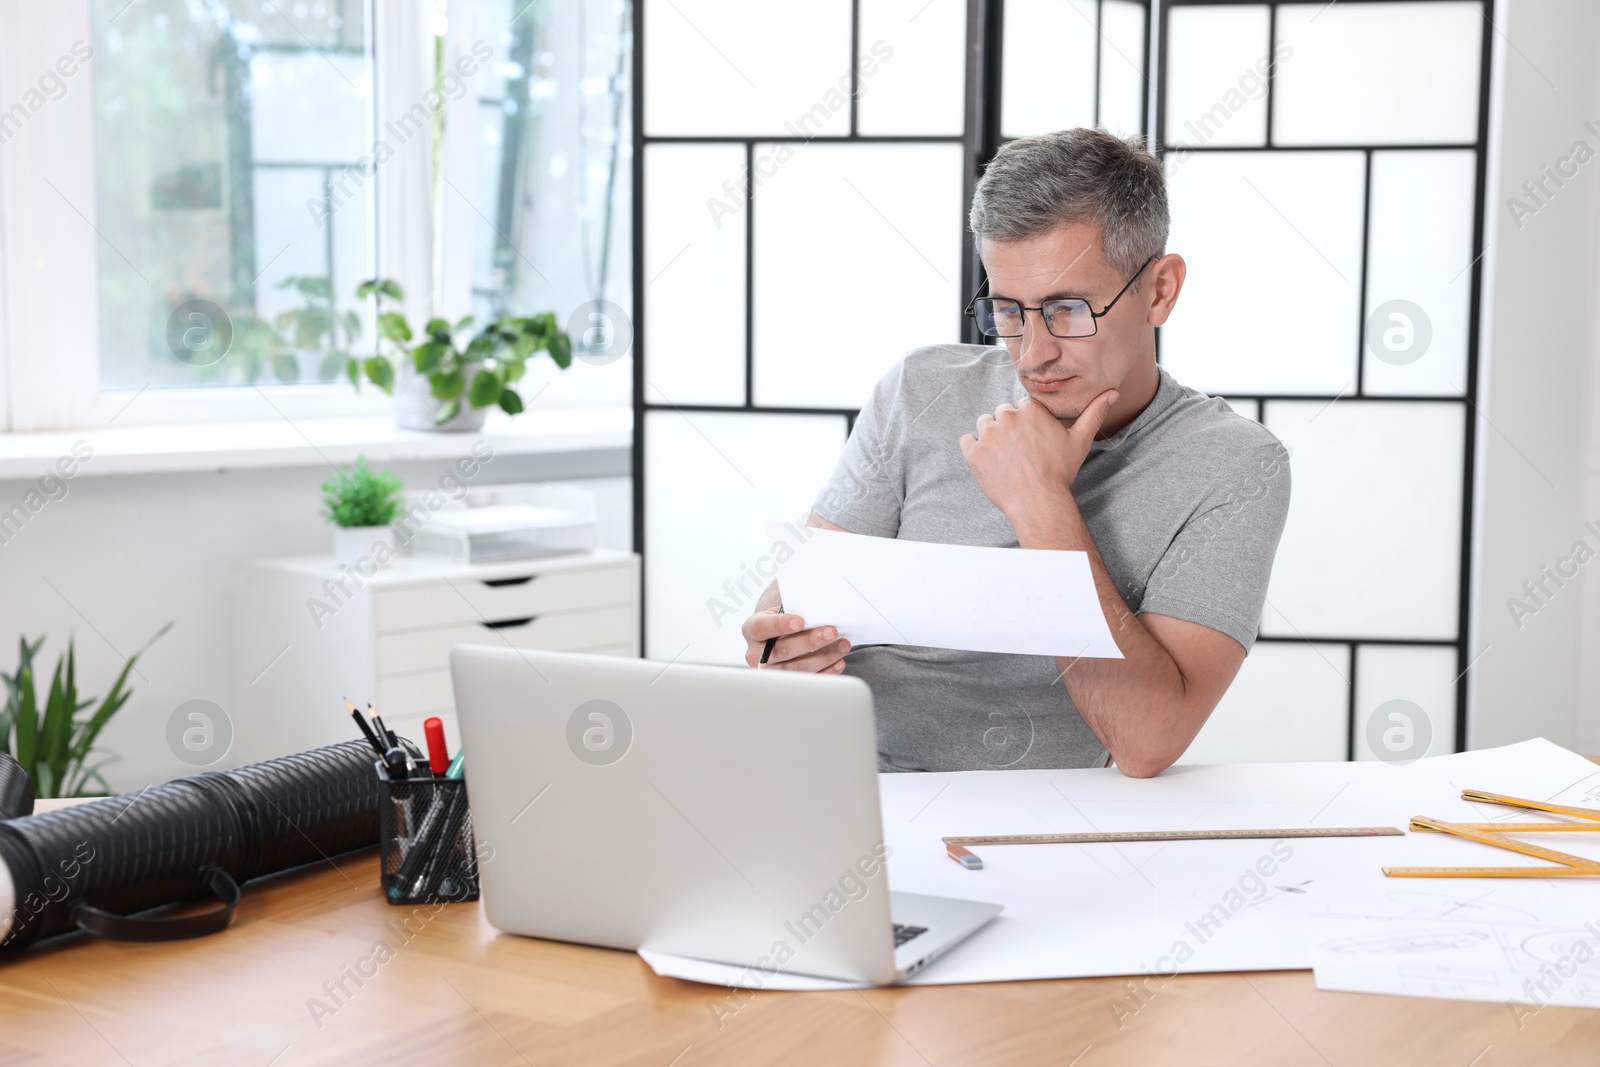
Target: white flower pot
{"x":415,"y":405}
{"x":365,"y":548}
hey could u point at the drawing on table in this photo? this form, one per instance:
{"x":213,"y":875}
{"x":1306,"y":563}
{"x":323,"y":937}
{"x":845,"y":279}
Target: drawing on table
{"x":1408,"y":942}
{"x":1586,"y":790}
{"x":1566,"y":948}
{"x":1422,"y":906}
{"x":1526,"y":965}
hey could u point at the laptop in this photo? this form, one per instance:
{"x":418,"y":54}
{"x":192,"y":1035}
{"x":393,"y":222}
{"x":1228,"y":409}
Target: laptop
{"x":718,"y":813}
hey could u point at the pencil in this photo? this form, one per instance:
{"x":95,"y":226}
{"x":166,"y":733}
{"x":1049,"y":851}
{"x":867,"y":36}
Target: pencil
{"x":772,"y":642}
{"x":365,"y":729}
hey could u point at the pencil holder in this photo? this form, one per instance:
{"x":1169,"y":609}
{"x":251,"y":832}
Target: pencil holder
{"x":425,"y":840}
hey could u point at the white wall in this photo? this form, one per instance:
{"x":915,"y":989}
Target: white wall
{"x":119,"y":556}
{"x":1537,"y":483}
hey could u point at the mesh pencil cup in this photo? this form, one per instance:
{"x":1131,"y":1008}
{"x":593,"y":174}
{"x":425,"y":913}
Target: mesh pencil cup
{"x":425,"y":840}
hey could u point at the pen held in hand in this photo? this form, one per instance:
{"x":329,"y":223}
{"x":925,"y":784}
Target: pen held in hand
{"x":772,"y":642}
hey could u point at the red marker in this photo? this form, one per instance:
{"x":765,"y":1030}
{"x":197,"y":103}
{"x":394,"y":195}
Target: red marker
{"x":438,"y":754}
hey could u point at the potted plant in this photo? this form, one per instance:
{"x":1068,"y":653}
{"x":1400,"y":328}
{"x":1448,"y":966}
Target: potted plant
{"x":451,"y":377}
{"x":48,"y":739}
{"x":361,"y":504}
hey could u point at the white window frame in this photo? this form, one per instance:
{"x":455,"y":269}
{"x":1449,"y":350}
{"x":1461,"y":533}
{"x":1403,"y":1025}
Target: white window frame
{"x":50,"y":249}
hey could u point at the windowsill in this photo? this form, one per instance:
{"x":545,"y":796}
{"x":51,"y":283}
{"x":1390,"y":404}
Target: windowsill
{"x":306,"y":442}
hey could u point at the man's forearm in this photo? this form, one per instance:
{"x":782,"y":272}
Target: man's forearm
{"x":1138,"y":706}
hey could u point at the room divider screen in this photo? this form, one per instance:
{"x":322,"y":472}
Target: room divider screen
{"x":802,"y":174}
{"x":1326,"y":169}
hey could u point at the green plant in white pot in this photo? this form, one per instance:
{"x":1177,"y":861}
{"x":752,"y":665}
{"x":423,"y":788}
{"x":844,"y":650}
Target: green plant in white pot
{"x":361,"y":504}
{"x":449,"y":378}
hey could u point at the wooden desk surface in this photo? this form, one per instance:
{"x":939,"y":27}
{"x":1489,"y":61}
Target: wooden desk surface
{"x":447,"y":988}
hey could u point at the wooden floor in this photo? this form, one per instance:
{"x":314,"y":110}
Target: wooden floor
{"x":421,"y":987}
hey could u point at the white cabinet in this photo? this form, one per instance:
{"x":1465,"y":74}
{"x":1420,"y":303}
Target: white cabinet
{"x":308,"y":633}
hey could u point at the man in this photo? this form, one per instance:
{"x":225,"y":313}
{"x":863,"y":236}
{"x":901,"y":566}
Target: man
{"x":1067,"y":437}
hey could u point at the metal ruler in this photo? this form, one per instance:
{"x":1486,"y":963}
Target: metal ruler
{"x":1105,"y":837}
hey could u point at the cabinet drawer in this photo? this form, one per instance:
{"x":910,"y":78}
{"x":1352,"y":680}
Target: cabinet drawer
{"x":428,"y":650}
{"x":474,"y":600}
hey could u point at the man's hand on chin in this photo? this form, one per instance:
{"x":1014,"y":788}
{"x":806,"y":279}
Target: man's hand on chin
{"x":1025,"y":460}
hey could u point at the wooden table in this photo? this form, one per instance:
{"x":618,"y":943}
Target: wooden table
{"x":447,"y":988}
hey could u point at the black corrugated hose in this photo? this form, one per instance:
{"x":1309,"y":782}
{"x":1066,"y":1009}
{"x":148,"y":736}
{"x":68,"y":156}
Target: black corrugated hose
{"x":93,"y":866}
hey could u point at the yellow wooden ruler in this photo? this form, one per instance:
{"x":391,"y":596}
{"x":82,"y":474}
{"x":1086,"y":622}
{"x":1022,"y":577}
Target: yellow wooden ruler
{"x":1568,"y":865}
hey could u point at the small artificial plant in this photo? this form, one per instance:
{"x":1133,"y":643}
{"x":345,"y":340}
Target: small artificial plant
{"x":459,"y":364}
{"x":356,"y":496}
{"x":49,"y":740}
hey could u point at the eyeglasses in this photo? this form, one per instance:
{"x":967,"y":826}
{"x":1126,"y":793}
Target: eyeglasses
{"x":1070,"y":317}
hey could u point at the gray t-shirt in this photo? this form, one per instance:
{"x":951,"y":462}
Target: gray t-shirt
{"x":1185,"y":504}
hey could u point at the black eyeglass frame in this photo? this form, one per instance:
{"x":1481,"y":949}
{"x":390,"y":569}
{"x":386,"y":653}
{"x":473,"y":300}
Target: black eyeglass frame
{"x":1094,"y":316}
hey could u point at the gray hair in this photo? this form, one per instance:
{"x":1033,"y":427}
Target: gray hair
{"x":1035,"y":184}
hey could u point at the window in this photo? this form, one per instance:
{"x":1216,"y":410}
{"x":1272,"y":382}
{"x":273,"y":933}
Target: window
{"x":551,"y":216}
{"x":225,"y":137}
{"x":224,"y":173}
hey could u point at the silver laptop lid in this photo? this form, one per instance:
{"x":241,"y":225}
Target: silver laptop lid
{"x":714,"y":812}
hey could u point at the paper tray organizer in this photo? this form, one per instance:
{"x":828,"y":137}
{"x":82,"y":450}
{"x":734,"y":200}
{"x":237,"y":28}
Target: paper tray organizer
{"x":504,"y":522}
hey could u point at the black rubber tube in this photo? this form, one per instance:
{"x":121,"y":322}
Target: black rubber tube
{"x":129,"y":853}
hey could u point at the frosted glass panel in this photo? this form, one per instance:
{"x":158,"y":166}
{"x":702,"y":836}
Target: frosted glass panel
{"x":731,"y":67}
{"x":913,"y":67}
{"x":1122,"y":67}
{"x":1217,"y":60}
{"x":885,"y":218}
{"x":1372,"y":547}
{"x":1047,"y":70}
{"x":1290,"y":702}
{"x":1273,"y":242}
{"x":1378,"y":74}
{"x":1419,"y":287}
{"x":693,"y":256}
{"x":1405,"y":702}
{"x":711,"y":479}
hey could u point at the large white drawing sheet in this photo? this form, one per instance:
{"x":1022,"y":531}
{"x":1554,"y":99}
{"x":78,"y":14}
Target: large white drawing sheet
{"x":1166,"y":908}
{"x":884,"y":591}
{"x":1522,"y":942}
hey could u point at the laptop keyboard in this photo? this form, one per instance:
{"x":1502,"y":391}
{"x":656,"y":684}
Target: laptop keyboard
{"x":903,"y":933}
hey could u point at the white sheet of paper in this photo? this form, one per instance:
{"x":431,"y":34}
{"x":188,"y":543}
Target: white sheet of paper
{"x":1164,"y":908}
{"x":1525,"y":943}
{"x":1469,"y":950}
{"x":884,"y":591}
